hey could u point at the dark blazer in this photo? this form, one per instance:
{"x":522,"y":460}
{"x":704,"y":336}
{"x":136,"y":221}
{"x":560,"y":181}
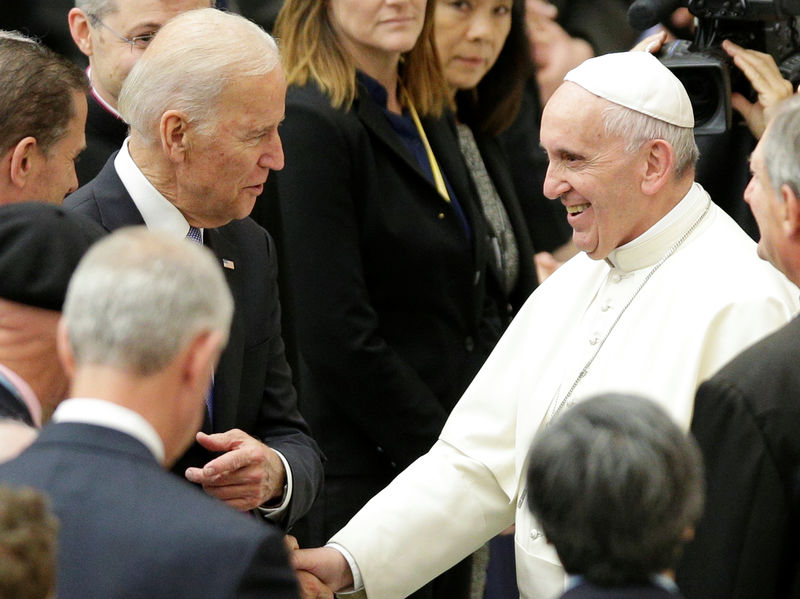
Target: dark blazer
{"x":388,"y":293}
{"x":129,"y":529}
{"x":104,"y":136}
{"x":13,"y":407}
{"x":252,"y":384}
{"x":587,"y":590}
{"x":747,"y":423}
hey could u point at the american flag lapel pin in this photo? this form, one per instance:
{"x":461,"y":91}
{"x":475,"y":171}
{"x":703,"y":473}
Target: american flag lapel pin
{"x":228,"y":264}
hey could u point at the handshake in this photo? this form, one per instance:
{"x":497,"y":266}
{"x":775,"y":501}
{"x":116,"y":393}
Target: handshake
{"x":320,"y":571}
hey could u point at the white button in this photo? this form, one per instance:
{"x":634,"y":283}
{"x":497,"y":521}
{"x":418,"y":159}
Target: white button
{"x":605,"y":307}
{"x":594,"y":340}
{"x":535,"y":534}
{"x":616,"y":278}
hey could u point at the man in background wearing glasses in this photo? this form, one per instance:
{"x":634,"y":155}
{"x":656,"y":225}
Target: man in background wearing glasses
{"x":113,"y":34}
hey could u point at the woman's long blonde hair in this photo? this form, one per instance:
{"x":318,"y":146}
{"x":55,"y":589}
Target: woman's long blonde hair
{"x":311,"y":51}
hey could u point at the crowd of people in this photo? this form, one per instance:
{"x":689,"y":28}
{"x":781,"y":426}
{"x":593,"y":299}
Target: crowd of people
{"x":404,"y":298}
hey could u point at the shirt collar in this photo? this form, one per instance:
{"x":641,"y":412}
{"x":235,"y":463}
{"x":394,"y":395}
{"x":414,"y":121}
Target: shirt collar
{"x":100,"y":100}
{"x":26,"y":393}
{"x":650,"y":246}
{"x":158,"y":212}
{"x":110,"y":415}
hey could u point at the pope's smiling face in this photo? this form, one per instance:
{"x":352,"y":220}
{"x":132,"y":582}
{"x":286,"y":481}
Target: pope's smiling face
{"x":592,"y":174}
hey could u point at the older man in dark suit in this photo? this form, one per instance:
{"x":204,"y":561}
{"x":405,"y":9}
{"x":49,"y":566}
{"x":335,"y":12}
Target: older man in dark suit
{"x":144,"y":321}
{"x":204,"y":103}
{"x":747,"y":417}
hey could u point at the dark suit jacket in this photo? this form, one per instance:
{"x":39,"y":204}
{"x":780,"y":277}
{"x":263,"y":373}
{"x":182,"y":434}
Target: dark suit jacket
{"x":12,"y":407}
{"x":129,"y":529}
{"x":104,"y":136}
{"x":388,"y":294}
{"x":747,"y":422}
{"x":252,"y":384}
{"x":587,"y":590}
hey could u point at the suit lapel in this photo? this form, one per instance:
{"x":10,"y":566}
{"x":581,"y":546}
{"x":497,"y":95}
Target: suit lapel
{"x":228,"y":375}
{"x":113,"y":201}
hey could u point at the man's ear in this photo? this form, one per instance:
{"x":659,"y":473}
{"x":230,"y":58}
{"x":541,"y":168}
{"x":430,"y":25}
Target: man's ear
{"x":65,"y":354}
{"x":175,"y":135}
{"x":23,"y":161}
{"x":80,"y":31}
{"x":200,"y":358}
{"x":660,"y":162}
{"x":791,"y":213}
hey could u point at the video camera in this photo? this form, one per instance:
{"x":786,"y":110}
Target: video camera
{"x":769,"y":26}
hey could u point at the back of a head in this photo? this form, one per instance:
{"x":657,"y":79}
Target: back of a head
{"x":28,"y":533}
{"x":615,"y":485}
{"x":36,"y":92}
{"x":189,"y":63}
{"x":139,"y":297}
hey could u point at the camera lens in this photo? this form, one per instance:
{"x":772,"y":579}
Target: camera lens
{"x":703,"y":89}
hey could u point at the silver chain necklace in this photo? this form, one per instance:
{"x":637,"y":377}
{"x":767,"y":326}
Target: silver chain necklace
{"x":557,"y":408}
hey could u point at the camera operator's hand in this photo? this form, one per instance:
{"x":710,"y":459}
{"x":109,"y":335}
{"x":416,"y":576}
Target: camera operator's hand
{"x":652,"y":43}
{"x":767,"y":81}
{"x":554,"y":50}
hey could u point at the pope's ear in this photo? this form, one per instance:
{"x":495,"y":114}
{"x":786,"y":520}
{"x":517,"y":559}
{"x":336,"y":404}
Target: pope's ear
{"x":659,"y":166}
{"x":791,"y":217}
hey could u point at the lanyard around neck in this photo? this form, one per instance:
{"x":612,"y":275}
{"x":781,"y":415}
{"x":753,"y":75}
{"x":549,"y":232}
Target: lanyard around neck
{"x":438,"y":178}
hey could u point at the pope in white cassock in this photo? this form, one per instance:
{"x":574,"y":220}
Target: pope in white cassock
{"x":666,"y":290}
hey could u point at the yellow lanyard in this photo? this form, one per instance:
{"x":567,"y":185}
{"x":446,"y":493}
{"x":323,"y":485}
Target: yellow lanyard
{"x":438,"y":179}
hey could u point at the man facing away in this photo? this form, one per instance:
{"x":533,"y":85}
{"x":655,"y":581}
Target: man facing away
{"x":747,"y":416}
{"x":113,"y":34}
{"x":666,"y":290}
{"x":40,"y":246}
{"x":618,"y":489}
{"x":145,"y":319}
{"x":204,"y":102}
{"x":42,"y":118}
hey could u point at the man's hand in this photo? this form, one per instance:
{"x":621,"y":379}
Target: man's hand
{"x":247,"y":475}
{"x":767,"y":81}
{"x":326,"y":564}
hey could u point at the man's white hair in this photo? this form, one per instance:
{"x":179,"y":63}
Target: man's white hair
{"x":138,"y":297}
{"x":194,"y":57}
{"x":638,"y":128}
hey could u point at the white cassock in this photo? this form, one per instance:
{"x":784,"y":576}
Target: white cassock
{"x":705,"y":303}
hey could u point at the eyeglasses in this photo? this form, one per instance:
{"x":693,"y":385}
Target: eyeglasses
{"x":140,"y":42}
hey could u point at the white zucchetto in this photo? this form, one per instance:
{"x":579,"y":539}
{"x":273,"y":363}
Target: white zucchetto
{"x":636,"y":80}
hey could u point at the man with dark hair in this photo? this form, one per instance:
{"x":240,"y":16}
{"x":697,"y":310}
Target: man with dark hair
{"x":617,"y":489}
{"x":42,"y":118}
{"x":28,"y":531}
{"x":747,"y":417}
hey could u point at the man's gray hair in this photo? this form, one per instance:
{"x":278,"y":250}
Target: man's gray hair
{"x":638,"y":128}
{"x":782,"y":146}
{"x":194,"y":57}
{"x":99,"y":8}
{"x":138,"y":297}
{"x":615,"y":485}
